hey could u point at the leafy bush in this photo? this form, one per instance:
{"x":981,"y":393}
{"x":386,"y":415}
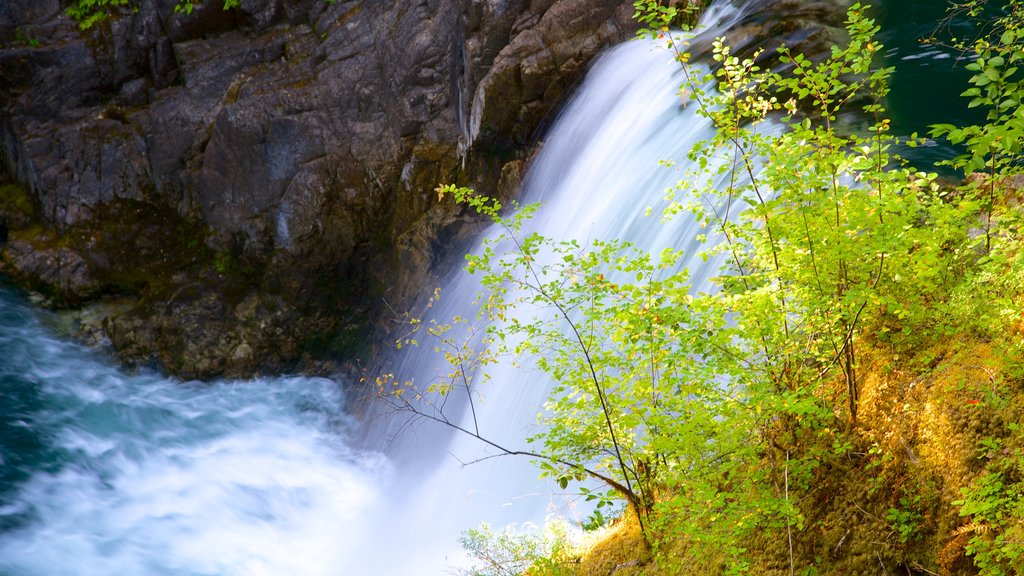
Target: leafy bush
{"x":706,"y":412}
{"x":88,"y":13}
{"x":511,"y":552}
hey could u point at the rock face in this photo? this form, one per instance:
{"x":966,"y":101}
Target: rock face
{"x":245,"y":191}
{"x":258,"y":182}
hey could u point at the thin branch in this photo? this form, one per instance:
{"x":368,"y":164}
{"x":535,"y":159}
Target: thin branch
{"x":605,"y":408}
{"x":405,"y":405}
{"x":789,"y":530}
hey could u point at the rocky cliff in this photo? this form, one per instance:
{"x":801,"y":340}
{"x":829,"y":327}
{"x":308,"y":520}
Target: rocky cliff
{"x":252,"y":190}
{"x":231,"y":192}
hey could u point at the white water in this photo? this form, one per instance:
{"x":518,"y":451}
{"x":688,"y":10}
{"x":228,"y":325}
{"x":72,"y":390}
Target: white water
{"x":145,"y":475}
{"x":139,"y":474}
{"x":596,"y":177}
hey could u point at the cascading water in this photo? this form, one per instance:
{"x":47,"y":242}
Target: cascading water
{"x":599,"y":171}
{"x":104,"y":472}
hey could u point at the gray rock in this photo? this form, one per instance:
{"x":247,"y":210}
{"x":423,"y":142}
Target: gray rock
{"x":283,"y":153}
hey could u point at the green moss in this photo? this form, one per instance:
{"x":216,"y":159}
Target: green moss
{"x":163,"y":244}
{"x":349,"y":342}
{"x":14,"y":198}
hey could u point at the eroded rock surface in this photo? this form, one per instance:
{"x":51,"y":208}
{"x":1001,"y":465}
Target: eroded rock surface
{"x":254,"y":188}
{"x":261,"y":180}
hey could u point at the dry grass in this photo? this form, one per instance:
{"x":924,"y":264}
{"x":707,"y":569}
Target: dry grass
{"x":922,"y":420}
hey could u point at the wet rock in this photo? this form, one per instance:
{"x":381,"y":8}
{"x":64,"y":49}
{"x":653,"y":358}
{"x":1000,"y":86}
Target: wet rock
{"x":16,"y":209}
{"x":519,"y":89}
{"x":809,"y":27}
{"x":61,"y":272}
{"x":298,"y":143}
{"x":280,"y":157}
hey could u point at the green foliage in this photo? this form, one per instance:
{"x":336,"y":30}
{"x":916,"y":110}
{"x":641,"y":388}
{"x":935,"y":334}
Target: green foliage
{"x":21,"y":37}
{"x":995,"y":147}
{"x":636,"y":362}
{"x":839,"y":238}
{"x":707,"y":412}
{"x":510,"y":552}
{"x":996,"y":509}
{"x":998,"y":53}
{"x":88,"y":13}
{"x":223,"y":262}
{"x":838,"y":233}
{"x":995,"y":505}
{"x":905,"y":520}
{"x":656,"y":17}
{"x":596,"y":520}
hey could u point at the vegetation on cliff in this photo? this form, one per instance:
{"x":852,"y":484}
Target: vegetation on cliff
{"x":88,"y":13}
{"x":849,"y":399}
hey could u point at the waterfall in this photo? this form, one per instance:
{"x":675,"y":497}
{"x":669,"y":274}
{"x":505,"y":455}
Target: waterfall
{"x":600,"y":174}
{"x":105,"y":472}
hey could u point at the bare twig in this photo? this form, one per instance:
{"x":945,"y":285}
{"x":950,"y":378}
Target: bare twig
{"x":841,"y":540}
{"x":789,"y":530}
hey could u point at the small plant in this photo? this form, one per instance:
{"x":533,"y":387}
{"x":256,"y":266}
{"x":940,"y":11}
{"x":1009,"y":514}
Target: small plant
{"x":995,"y":505}
{"x":222,"y":262}
{"x":996,"y":508}
{"x":88,"y":13}
{"x":186,"y":6}
{"x":512,"y":552}
{"x":595,"y":521}
{"x":877,"y":466}
{"x":656,"y":14}
{"x":905,"y":520}
{"x":21,"y":37}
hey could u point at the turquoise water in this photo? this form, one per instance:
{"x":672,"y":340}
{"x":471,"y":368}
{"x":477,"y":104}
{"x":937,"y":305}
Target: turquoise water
{"x":104,"y":472}
{"x":24,"y":446}
{"x":928,"y":80}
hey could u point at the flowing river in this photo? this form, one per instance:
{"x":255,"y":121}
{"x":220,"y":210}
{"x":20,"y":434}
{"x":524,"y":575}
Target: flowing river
{"x":105,"y":472}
